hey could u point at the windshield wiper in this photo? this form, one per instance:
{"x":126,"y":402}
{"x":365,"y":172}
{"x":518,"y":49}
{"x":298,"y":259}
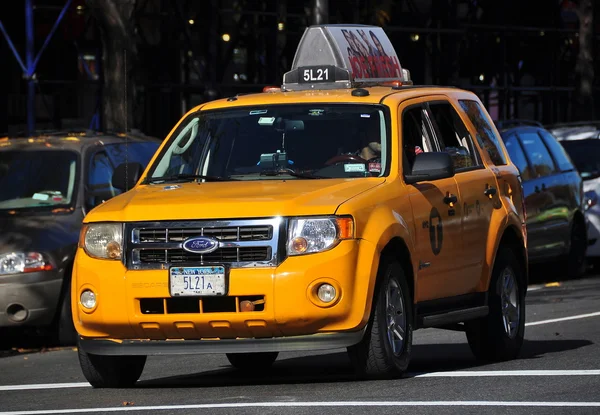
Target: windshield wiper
{"x":289,"y":172}
{"x":186,"y":177}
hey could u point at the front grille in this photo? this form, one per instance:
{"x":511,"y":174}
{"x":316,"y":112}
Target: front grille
{"x":241,"y":243}
{"x":197,"y":305}
{"x":225,"y":234}
{"x":222,"y":255}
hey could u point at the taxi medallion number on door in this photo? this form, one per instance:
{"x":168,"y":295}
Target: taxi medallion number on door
{"x":197,"y":281}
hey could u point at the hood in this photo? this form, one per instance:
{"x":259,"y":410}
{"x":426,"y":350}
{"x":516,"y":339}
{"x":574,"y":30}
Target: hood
{"x":238,"y":199}
{"x":56,"y":234}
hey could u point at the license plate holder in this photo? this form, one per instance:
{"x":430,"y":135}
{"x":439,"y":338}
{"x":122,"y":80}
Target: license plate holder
{"x":203,"y":280}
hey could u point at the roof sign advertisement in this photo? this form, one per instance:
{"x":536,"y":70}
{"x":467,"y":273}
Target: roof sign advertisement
{"x":343,"y":56}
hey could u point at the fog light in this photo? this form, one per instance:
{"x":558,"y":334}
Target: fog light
{"x":326,"y":293}
{"x":88,"y":299}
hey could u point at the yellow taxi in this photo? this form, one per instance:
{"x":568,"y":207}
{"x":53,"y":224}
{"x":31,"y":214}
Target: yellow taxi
{"x":345,"y":208}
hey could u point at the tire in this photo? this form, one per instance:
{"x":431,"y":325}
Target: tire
{"x":384,"y":352}
{"x":64,"y":332}
{"x":252,"y":361}
{"x":499,"y":335}
{"x":111,"y":371}
{"x":575,"y":262}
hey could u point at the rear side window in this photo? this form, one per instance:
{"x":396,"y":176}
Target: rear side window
{"x":541,"y":161}
{"x":486,"y":137}
{"x":515,"y":151}
{"x":560,"y":155}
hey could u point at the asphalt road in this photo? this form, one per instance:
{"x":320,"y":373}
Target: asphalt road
{"x":558,"y":372}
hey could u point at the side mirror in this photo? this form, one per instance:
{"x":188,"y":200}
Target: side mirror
{"x":431,"y":166}
{"x":126,"y":176}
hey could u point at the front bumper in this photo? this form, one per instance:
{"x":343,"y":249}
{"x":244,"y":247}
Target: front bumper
{"x":291,"y":319}
{"x":321,"y":341}
{"x":29,"y":299}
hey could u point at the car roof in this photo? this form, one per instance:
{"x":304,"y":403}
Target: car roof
{"x":326,"y":96}
{"x":71,"y":140}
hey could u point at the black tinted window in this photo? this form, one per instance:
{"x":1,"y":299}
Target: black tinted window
{"x":559,"y":153}
{"x":486,"y":136}
{"x":586,"y":156}
{"x":517,"y":156}
{"x":534,"y":147}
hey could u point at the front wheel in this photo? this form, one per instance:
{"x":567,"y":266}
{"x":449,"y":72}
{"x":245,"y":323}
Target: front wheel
{"x":499,"y":335}
{"x":384,"y":351}
{"x":111,"y":371}
{"x":252,"y":361}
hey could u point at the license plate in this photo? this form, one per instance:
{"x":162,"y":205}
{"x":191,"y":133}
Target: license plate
{"x":313,"y":74}
{"x":191,"y":281}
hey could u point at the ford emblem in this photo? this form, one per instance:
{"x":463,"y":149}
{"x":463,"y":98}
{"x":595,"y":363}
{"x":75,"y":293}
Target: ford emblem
{"x":200,"y":245}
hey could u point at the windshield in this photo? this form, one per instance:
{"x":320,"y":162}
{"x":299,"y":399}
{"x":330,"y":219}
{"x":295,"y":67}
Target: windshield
{"x":37,"y":180}
{"x":585,"y":155}
{"x":262,"y":143}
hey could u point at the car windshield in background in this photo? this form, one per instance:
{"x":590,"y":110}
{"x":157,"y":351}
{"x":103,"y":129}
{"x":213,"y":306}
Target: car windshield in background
{"x":586,"y":156}
{"x":270,"y":142}
{"x":37,"y":180}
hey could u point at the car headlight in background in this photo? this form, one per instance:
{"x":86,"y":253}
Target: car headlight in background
{"x":590,"y":199}
{"x":317,"y":234}
{"x":102,"y":240}
{"x":20,"y":262}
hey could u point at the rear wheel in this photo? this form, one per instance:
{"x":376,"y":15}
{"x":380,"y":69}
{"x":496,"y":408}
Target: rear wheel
{"x":385,"y":349}
{"x":499,"y":335}
{"x":111,"y":371}
{"x":252,"y":361}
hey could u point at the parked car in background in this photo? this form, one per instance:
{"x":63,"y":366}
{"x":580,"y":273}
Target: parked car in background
{"x":47,"y":185}
{"x":579,"y":130}
{"x":554,"y":197}
{"x":585,"y":153}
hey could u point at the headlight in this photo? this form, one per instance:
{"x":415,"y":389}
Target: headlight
{"x":309,"y":235}
{"x":18,"y":262}
{"x":102,"y":240}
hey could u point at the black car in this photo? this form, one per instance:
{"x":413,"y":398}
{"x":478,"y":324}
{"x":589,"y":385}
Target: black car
{"x":47,"y":184}
{"x":554,"y":197}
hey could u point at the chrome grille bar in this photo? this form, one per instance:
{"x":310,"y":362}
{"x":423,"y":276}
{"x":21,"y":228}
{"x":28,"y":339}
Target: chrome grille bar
{"x":241,"y":243}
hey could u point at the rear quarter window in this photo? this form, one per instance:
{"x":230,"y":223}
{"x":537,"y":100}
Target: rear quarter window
{"x":558,"y":152}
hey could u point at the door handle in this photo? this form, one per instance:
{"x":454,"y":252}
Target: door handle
{"x":450,"y":199}
{"x":490,"y":191}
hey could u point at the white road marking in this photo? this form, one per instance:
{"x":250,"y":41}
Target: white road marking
{"x":556,"y":320}
{"x":310,"y":404}
{"x":483,"y":373}
{"x":44,"y":386}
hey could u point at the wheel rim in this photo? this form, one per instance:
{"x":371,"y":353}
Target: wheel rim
{"x":511,"y":310}
{"x":395,"y":317}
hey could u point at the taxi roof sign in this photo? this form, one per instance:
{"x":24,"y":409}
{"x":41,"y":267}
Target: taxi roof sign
{"x":343,"y":56}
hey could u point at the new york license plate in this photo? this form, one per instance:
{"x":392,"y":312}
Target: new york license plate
{"x":190,"y":281}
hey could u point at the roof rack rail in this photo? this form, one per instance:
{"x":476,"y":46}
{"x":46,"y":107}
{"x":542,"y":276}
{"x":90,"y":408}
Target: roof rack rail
{"x":518,"y":122}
